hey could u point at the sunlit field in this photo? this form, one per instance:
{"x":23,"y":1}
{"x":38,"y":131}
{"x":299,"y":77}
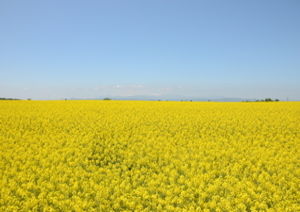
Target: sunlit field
{"x":149,"y":156}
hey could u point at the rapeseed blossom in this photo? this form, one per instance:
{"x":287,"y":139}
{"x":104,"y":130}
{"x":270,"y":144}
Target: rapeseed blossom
{"x":149,"y":156}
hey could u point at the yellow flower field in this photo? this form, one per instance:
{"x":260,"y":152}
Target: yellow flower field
{"x":149,"y":156}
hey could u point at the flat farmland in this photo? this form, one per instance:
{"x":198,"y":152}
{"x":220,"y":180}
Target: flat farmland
{"x":149,"y":156}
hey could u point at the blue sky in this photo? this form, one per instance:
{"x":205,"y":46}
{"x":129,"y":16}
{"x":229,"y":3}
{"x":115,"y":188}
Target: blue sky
{"x":85,"y":49}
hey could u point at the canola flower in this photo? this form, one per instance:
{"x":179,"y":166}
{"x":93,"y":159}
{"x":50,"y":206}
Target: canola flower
{"x":149,"y":156}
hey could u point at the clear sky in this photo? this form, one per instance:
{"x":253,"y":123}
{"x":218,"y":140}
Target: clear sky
{"x":85,"y":49}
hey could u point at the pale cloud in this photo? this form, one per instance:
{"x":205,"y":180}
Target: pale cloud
{"x":119,"y":86}
{"x":137,"y":86}
{"x":154,"y":94}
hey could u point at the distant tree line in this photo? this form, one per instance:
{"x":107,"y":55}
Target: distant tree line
{"x":265,"y":100}
{"x":270,"y":100}
{"x":8,"y":99}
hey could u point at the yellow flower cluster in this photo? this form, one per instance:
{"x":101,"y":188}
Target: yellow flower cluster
{"x":149,"y":156}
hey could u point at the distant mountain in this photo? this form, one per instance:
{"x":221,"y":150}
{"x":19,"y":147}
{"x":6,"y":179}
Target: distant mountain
{"x":171,"y":98}
{"x":148,"y":97}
